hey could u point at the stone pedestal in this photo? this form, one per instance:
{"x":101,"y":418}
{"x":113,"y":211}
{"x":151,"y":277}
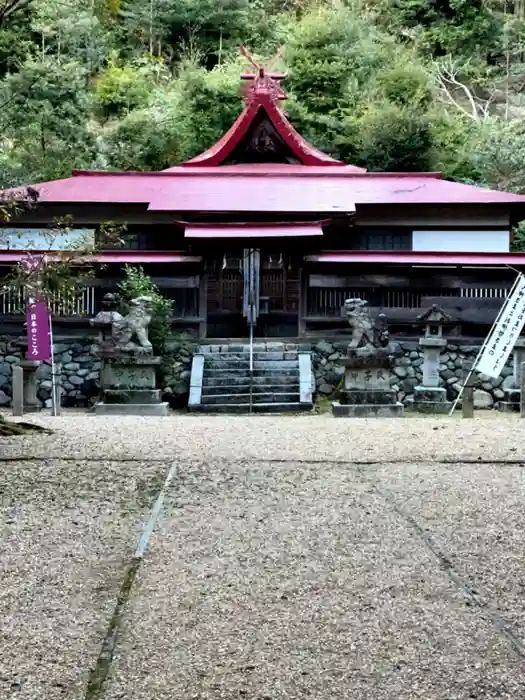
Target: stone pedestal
{"x":128,"y":385}
{"x":367,"y":392}
{"x":512,"y":396}
{"x":31,"y":402}
{"x":430,"y":397}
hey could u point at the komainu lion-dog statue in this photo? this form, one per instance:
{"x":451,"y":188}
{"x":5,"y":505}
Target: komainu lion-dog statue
{"x":134,"y":325}
{"x":356,"y":311}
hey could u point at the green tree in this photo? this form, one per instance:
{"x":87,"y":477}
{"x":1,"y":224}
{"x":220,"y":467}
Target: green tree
{"x":458,"y":27}
{"x":16,"y":37}
{"x":70,"y":29}
{"x":178,"y":122}
{"x":45,"y":121}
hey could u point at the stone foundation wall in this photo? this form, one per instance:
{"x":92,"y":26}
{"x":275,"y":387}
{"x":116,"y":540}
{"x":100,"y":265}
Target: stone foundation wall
{"x":81,"y":373}
{"x":407,"y":374}
{"x":81,"y":370}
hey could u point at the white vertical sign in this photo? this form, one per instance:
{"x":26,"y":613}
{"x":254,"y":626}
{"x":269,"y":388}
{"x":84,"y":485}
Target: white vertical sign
{"x":506,"y":331}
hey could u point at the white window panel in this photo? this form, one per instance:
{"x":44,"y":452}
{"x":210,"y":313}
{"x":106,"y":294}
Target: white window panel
{"x":44,"y":239}
{"x":461,"y":241}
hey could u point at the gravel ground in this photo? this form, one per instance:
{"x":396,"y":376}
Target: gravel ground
{"x":186,"y":437}
{"x":67,"y":530}
{"x":295,"y":557}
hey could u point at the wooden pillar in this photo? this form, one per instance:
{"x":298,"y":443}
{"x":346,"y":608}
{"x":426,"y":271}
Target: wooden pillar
{"x":58,"y":389}
{"x":203,"y":304}
{"x":467,"y":405}
{"x":303,"y":297}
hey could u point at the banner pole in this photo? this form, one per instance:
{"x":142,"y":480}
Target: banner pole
{"x":485,"y":343}
{"x":54,"y":397}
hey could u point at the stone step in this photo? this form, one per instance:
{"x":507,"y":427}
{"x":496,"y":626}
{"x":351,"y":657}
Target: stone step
{"x":264,"y":398}
{"x":131,"y":396}
{"x":245,"y":364}
{"x":233,"y":382}
{"x":222,"y":370}
{"x":131,"y":409}
{"x":245,"y":347}
{"x":294,"y":407}
{"x":245,"y":356}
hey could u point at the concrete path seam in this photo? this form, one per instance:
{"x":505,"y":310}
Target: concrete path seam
{"x":99,"y":674}
{"x":501,"y":624}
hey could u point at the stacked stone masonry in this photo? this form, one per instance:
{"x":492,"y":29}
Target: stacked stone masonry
{"x":80,"y":374}
{"x":455,"y":361}
{"x":81,"y":371}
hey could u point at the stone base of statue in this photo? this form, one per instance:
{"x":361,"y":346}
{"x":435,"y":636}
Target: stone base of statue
{"x":431,"y":400}
{"x":367,"y":392}
{"x":128,"y":384}
{"x":31,"y":402}
{"x":510,"y":402}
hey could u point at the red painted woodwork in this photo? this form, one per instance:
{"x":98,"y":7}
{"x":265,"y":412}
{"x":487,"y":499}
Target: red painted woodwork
{"x":113,"y":256}
{"x":413,"y":257}
{"x":252,"y":230}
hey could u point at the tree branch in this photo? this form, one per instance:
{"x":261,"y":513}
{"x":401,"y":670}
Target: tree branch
{"x":448,"y":84}
{"x":8,"y":8}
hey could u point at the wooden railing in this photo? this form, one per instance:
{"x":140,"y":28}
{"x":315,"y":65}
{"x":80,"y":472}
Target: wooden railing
{"x":12,"y":303}
{"x":87,"y":302}
{"x":329,"y":302}
{"x":473,"y":305}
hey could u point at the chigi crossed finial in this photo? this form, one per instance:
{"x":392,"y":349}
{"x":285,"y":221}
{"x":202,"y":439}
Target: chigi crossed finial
{"x":264,"y":78}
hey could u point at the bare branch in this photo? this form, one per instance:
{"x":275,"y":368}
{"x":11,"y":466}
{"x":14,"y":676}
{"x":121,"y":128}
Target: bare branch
{"x":9,"y":7}
{"x":450,"y":89}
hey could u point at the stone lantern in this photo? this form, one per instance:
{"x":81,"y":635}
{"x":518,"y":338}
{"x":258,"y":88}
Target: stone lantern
{"x":430,"y":397}
{"x":434,"y":318}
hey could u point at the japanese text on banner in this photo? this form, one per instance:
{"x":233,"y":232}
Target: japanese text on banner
{"x":504,"y":335}
{"x":38,"y":337}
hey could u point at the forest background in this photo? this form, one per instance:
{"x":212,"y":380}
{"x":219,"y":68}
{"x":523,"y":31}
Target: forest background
{"x":407,"y":85}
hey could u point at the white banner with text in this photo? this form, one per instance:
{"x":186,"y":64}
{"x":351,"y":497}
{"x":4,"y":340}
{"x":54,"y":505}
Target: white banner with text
{"x":505,"y":332}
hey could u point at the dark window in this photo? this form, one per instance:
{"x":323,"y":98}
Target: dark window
{"x":384,"y":240}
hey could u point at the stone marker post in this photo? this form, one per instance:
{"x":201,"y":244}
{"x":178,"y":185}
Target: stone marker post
{"x":30,"y":368}
{"x":467,"y":404}
{"x":18,"y":390}
{"x":58,"y":388}
{"x":430,"y":397}
{"x":522,"y":392}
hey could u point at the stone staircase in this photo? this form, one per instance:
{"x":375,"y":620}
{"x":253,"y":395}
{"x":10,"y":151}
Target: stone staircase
{"x":221,"y":381}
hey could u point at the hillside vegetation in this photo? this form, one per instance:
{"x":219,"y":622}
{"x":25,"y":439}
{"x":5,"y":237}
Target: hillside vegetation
{"x":145,"y":84}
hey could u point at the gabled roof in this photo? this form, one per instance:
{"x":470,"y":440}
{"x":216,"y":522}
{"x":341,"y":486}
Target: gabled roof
{"x":312,"y":183}
{"x":262,"y":101}
{"x":292,"y":189}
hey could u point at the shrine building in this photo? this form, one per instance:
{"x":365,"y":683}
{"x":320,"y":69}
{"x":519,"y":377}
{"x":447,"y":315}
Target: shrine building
{"x":264,"y":226}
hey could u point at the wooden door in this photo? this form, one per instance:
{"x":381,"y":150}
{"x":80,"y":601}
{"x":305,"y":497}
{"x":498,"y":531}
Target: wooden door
{"x":279,"y":297}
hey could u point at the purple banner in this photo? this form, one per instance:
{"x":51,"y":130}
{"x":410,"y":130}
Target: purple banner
{"x":38,"y":337}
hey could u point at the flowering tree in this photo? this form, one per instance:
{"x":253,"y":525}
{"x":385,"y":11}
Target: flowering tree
{"x":55,"y":277}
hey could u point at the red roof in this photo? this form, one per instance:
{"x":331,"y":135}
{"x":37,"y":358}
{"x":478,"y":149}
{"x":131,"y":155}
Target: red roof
{"x":258,"y":189}
{"x":318,"y":184}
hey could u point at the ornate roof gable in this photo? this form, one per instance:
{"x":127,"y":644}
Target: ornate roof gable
{"x":262,"y":132}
